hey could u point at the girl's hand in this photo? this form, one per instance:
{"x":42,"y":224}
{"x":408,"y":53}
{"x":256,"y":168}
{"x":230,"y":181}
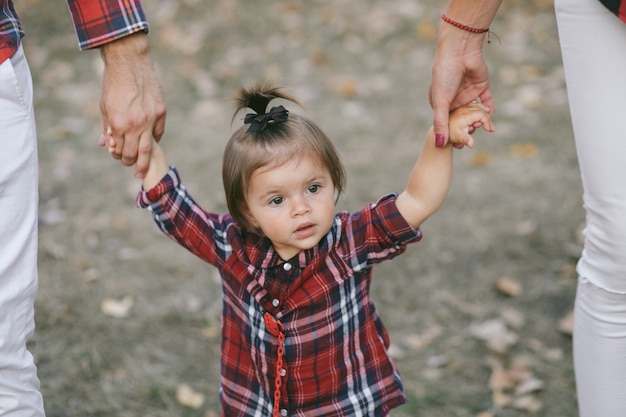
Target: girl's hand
{"x":106,"y":140}
{"x":465,"y":120}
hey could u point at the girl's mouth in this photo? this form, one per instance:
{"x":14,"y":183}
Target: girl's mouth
{"x":305,"y":230}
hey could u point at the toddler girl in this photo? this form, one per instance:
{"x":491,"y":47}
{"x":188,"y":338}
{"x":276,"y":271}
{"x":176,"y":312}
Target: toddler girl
{"x":300,"y":333}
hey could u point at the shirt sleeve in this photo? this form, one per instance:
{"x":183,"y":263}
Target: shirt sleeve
{"x":175,"y":212}
{"x":377,"y":233}
{"x":98,"y":22}
{"x":389,"y":229}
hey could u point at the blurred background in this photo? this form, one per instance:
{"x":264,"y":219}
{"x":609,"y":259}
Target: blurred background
{"x":478,"y":311}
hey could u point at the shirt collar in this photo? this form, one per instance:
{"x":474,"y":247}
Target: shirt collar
{"x":262,"y":254}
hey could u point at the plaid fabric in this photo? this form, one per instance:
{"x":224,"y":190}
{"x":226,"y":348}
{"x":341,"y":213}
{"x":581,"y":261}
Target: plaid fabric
{"x":96,"y":21}
{"x":336,"y":360}
{"x":616,"y":6}
{"x":101,"y":21}
{"x":10,"y":30}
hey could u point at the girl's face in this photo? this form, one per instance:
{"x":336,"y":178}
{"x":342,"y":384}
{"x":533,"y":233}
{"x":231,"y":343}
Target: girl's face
{"x":292,"y":204}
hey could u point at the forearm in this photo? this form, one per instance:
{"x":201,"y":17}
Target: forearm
{"x":157,"y":169}
{"x":476,"y":14}
{"x":126,"y":51}
{"x":428,"y":183}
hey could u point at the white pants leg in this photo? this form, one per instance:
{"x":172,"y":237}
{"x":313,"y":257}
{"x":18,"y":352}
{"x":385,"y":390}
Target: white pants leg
{"x":19,"y":385}
{"x":600,"y":351}
{"x":593,"y":44}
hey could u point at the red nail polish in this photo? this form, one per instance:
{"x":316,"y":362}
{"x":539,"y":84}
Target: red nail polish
{"x":439,"y":139}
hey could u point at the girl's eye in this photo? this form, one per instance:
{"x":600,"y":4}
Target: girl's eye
{"x":314,"y":188}
{"x":276,"y":201}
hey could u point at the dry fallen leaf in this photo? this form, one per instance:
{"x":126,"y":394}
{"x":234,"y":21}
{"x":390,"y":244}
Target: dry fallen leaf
{"x":426,"y":30}
{"x":528,"y":403}
{"x":524,"y":150}
{"x":495,"y":335}
{"x":186,"y":396}
{"x":117,"y":308}
{"x":514,"y":387}
{"x":509,"y":286}
{"x":319,"y":58}
{"x":500,"y":379}
{"x":396,"y":351}
{"x":348,"y":88}
{"x":480,"y":158}
{"x":210,"y":331}
{"x":420,"y":341}
{"x":500,"y":399}
{"x":529,"y":386}
{"x":513,"y":318}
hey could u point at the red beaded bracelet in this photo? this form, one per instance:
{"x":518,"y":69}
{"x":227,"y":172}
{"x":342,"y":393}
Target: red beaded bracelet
{"x":467,"y":28}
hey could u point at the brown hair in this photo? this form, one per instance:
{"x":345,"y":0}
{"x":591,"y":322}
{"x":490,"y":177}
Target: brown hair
{"x":272,"y":145}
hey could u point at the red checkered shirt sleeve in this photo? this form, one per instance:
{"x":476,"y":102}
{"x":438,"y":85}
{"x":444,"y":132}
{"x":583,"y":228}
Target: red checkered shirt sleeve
{"x":10,"y":30}
{"x":203,"y":233}
{"x":101,"y":21}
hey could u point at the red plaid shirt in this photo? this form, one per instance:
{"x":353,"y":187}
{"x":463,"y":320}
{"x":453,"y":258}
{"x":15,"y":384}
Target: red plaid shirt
{"x":335,"y":347}
{"x":10,"y":30}
{"x":96,"y":21}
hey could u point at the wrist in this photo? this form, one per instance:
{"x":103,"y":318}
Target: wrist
{"x":121,"y":49}
{"x":157,"y":169}
{"x":471,"y":29}
{"x":456,"y":38}
{"x":468,"y":22}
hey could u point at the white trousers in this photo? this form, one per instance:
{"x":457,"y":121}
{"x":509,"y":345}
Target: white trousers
{"x":593,"y":45}
{"x":19,"y":385}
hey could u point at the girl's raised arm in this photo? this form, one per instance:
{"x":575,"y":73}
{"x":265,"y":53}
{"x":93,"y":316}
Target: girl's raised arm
{"x":431,"y":176}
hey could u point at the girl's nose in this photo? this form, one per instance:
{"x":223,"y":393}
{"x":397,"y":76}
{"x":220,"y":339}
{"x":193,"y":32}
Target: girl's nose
{"x":299,"y":207}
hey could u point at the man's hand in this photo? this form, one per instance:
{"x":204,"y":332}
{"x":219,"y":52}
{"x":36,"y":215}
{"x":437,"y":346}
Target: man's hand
{"x":132,"y":103}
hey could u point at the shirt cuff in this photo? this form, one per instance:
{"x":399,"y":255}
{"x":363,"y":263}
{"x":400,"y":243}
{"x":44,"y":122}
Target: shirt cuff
{"x":98,"y":22}
{"x":398,"y":228}
{"x":169,"y":182}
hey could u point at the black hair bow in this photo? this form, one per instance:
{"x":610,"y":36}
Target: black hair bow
{"x":258,"y":122}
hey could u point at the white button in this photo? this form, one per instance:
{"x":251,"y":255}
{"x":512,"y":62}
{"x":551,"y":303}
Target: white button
{"x":287,"y":266}
{"x":283,"y":412}
{"x":275,"y":302}
{"x":283,"y":372}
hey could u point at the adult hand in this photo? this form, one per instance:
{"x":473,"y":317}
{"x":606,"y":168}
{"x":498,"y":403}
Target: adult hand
{"x":459,"y":76}
{"x":459,"y":73}
{"x":132,"y":103}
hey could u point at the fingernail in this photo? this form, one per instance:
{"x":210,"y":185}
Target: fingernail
{"x":439,"y":139}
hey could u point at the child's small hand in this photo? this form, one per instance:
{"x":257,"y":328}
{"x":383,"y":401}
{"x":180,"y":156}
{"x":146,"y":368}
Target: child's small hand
{"x":465,"y":120}
{"x":106,"y":140}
